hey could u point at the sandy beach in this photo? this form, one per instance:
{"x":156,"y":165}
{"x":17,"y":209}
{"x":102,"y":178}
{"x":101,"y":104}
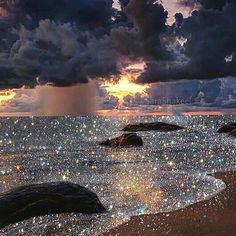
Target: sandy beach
{"x":216,"y":216}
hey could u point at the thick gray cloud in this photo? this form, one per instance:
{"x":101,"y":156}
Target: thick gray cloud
{"x":68,"y":42}
{"x":56,"y":53}
{"x":59,"y":42}
{"x":141,"y":36}
{"x":193,"y":93}
{"x":24,"y":100}
{"x":149,"y":18}
{"x":210,"y":46}
{"x":92,"y":13}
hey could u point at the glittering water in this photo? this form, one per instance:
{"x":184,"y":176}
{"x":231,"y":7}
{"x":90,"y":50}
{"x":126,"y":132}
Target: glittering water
{"x":168,"y":173}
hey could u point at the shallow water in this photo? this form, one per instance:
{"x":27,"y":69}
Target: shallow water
{"x":168,"y":173}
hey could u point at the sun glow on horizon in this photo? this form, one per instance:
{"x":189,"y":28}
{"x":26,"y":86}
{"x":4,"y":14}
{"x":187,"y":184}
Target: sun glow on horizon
{"x":124,"y":87}
{"x":126,"y":84}
{"x":6,"y":96}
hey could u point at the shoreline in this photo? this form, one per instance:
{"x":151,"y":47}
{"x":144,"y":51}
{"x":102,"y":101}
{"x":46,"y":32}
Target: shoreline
{"x":216,"y":216}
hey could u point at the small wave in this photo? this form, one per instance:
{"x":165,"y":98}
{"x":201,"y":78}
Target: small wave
{"x":128,"y":192}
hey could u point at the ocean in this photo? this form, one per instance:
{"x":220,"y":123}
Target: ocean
{"x":170,"y":172}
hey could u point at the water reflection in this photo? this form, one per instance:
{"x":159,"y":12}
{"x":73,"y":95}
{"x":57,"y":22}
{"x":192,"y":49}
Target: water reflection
{"x":137,"y":191}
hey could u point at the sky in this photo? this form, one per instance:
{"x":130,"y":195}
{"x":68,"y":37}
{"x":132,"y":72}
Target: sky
{"x":127,"y":57}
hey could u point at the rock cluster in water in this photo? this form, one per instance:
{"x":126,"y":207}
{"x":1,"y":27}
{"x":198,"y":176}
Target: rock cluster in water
{"x":48,"y":198}
{"x":125,"y":140}
{"x":132,"y":139}
{"x":229,"y":129}
{"x":155,"y":126}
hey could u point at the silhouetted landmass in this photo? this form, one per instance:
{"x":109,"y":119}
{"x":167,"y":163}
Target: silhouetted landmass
{"x":233,"y":133}
{"x":227,"y":128}
{"x":44,"y":199}
{"x":158,"y":126}
{"x":125,"y":140}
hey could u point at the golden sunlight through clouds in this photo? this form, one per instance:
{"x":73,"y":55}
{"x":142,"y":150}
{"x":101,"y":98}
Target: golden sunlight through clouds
{"x":126,"y":84}
{"x":6,"y":96}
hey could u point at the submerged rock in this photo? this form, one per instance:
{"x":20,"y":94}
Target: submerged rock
{"x":158,"y":126}
{"x":233,"y":133}
{"x":227,"y":128}
{"x":44,"y":199}
{"x":125,"y":140}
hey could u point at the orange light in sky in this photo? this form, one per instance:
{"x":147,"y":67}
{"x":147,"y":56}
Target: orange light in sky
{"x":6,"y":96}
{"x":3,"y":12}
{"x":126,"y":84}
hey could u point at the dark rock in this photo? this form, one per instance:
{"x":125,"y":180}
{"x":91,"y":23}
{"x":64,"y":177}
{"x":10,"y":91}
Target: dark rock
{"x":233,"y":133}
{"x":125,"y":140}
{"x":227,"y":128}
{"x":44,"y":199}
{"x":158,"y":126}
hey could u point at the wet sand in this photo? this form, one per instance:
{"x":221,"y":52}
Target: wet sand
{"x":213,"y":217}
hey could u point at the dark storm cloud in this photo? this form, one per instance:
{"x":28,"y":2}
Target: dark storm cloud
{"x":92,"y":12}
{"x":123,"y":3}
{"x":37,"y":42}
{"x":210,"y":47}
{"x":149,"y":18}
{"x":68,"y":42}
{"x":140,"y":37}
{"x":57,"y":54}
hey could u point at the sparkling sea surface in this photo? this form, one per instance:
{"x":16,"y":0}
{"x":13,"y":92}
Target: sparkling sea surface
{"x":168,"y":173}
